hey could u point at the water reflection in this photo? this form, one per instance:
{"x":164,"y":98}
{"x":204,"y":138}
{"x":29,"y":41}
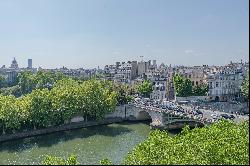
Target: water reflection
{"x":91,"y":144}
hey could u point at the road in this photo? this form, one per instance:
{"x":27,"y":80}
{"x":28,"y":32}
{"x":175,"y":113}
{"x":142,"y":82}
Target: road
{"x":207,"y":114}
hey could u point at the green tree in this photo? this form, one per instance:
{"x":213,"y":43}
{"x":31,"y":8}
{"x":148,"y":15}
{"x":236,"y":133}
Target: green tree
{"x":68,"y":98}
{"x":200,"y":90}
{"x":26,"y":82}
{"x":9,"y":115}
{"x":145,"y":88}
{"x":222,"y":143}
{"x":122,"y":92}
{"x":52,"y":160}
{"x":183,"y":86}
{"x":106,"y":162}
{"x":14,"y":90}
{"x":3,"y":82}
{"x":40,"y":108}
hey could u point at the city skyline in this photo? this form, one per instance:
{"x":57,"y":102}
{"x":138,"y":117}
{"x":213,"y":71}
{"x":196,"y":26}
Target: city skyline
{"x":112,"y":63}
{"x":95,"y":33}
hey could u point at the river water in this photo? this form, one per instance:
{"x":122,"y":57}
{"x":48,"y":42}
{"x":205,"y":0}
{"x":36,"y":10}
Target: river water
{"x":91,"y":144}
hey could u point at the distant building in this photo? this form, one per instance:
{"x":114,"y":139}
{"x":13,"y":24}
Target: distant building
{"x":159,"y":88}
{"x":134,"y":69}
{"x":11,"y":76}
{"x":124,"y":73}
{"x":225,"y":84}
{"x":170,"y":91}
{"x":154,"y":64}
{"x":30,"y":63}
{"x":14,"y":64}
{"x":143,"y":67}
{"x":196,"y":74}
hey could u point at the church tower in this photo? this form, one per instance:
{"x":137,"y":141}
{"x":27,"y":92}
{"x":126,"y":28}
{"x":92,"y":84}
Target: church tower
{"x":14,"y":64}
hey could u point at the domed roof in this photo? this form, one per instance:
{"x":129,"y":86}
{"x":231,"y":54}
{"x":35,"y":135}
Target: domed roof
{"x":14,"y":61}
{"x":14,"y":64}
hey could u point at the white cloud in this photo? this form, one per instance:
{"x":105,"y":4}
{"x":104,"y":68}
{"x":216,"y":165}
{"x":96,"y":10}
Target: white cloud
{"x":194,"y":53}
{"x":189,"y":51}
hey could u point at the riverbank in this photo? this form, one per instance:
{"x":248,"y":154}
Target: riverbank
{"x":90,"y":144}
{"x":65,"y":127}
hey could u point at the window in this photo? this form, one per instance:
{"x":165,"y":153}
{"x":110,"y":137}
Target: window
{"x":216,"y":85}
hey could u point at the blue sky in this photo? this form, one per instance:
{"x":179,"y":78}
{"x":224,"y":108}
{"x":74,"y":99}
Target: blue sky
{"x":91,"y":33}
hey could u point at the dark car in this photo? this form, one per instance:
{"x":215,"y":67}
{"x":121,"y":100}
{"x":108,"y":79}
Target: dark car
{"x":226,"y":116}
{"x":231,"y":116}
{"x":198,"y":112}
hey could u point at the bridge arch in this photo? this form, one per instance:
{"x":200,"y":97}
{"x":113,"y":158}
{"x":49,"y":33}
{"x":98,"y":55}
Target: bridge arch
{"x":143,"y":115}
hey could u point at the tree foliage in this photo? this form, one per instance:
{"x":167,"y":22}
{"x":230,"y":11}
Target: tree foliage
{"x":28,"y":81}
{"x":145,"y":88}
{"x":124,"y":92}
{"x":52,"y":160}
{"x":3,"y":82}
{"x":222,"y":143}
{"x":200,"y":90}
{"x":14,"y":90}
{"x":106,"y":162}
{"x":183,"y":86}
{"x":43,"y":108}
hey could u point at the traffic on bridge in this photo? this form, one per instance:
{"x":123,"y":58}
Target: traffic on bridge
{"x":185,"y":111}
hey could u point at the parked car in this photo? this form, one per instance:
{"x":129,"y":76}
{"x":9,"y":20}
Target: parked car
{"x":231,"y":116}
{"x":225,"y":116}
{"x":180,"y":110}
{"x":198,"y":111}
{"x":163,"y":107}
{"x":214,"y":116}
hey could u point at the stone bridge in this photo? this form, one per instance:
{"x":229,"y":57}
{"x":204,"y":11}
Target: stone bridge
{"x":159,"y":119}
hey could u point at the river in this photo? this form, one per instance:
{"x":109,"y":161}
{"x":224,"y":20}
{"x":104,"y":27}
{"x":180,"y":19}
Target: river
{"x":91,"y":144}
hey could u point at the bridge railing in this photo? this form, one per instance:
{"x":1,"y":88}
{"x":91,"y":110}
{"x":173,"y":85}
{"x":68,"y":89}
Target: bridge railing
{"x":183,"y":121}
{"x":166,"y":111}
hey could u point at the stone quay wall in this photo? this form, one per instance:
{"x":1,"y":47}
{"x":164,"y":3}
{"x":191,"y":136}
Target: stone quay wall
{"x":65,"y":127}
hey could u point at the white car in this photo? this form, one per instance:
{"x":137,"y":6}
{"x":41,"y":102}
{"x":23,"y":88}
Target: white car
{"x":214,"y":116}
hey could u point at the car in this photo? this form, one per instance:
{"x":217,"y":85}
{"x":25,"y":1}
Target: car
{"x":198,"y":111}
{"x":163,"y":107}
{"x":225,"y":116}
{"x":179,"y":110}
{"x":170,"y":108}
{"x":231,"y":117}
{"x":214,"y":116}
{"x":184,"y":114}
